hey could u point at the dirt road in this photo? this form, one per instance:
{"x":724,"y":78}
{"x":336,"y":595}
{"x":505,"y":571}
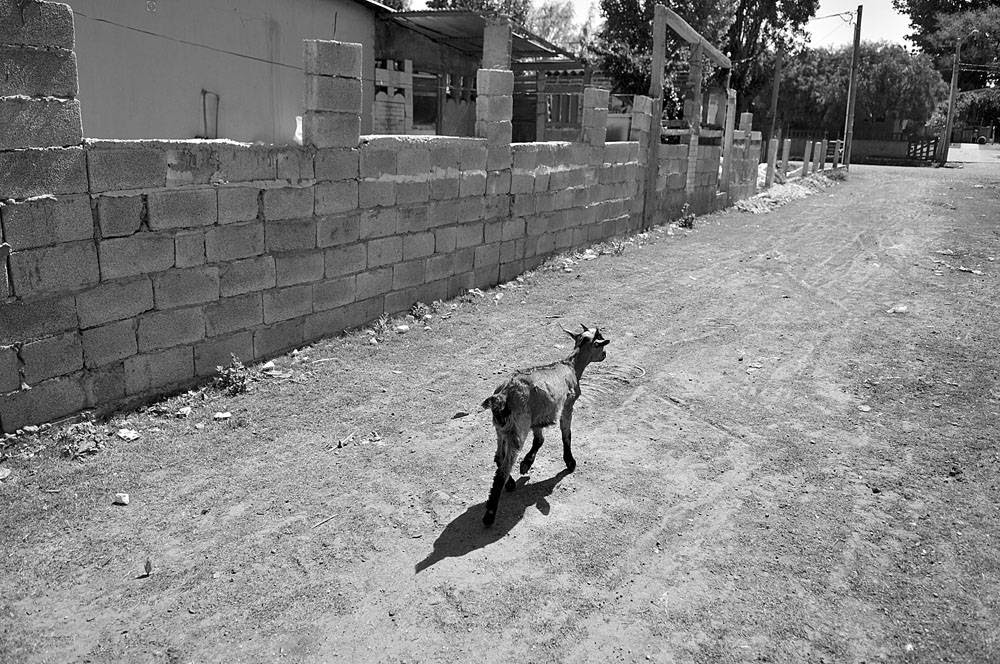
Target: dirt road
{"x":790,"y":455}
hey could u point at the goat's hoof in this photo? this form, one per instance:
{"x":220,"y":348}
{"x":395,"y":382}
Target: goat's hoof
{"x":570,"y":464}
{"x":511,"y":484}
{"x":526,"y":465}
{"x":489,"y":518}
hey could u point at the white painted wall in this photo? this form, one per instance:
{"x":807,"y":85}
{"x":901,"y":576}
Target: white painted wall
{"x":137,"y":85}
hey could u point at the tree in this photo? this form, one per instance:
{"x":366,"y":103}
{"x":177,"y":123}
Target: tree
{"x":892,"y":84}
{"x":552,"y":20}
{"x":398,"y":5}
{"x":938,"y":24}
{"x":515,"y":9}
{"x":744,"y":29}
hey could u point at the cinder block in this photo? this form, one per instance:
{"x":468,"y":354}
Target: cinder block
{"x":498,"y":182}
{"x":408,"y":193}
{"x":376,"y":192}
{"x":189,"y":249}
{"x":492,"y":231}
{"x":288,"y":203}
{"x":324,"y":129}
{"x":299,"y":268}
{"x":38,"y":172}
{"x":241,"y":163}
{"x":45,"y":402}
{"x":67,"y":266}
{"x":132,"y":168}
{"x":109,"y":343}
{"x":234,"y":241}
{"x":182,"y":208}
{"x":419,"y":245}
{"x":445,"y":157}
{"x":10,"y":376}
{"x":472,"y":183}
{"x":245,"y":276}
{"x":498,"y":159}
{"x":595,"y":98}
{"x":346,"y":259}
{"x":332,"y":230}
{"x":238,"y":204}
{"x":328,"y":93}
{"x":494,"y":82}
{"x":39,"y":222}
{"x":512,"y":250}
{"x":376,"y":161}
{"x":413,"y":160}
{"x":141,"y":253}
{"x":119,"y":215}
{"x":487,"y":255}
{"x":275,"y":339}
{"x":408,"y":274}
{"x":178,"y":288}
{"x":20,"y":321}
{"x":385,"y":251}
{"x":104,"y":385}
{"x":35,"y":72}
{"x":332,"y":58}
{"x":114,"y":301}
{"x":438,"y":267}
{"x":378,"y":222}
{"x":52,"y":356}
{"x":285,"y":303}
{"x":445,"y":188}
{"x":336,"y":197}
{"x":191,"y":163}
{"x":47,"y":24}
{"x":294,"y":163}
{"x":27,"y":122}
{"x":473,"y":156}
{"x":469,"y":235}
{"x":214,"y":353}
{"x":290,"y":235}
{"x":337,"y":164}
{"x":373,"y":283}
{"x":164,"y":329}
{"x":234,"y":313}
{"x":150,"y":371}
{"x":334,"y":293}
{"x":445,"y":239}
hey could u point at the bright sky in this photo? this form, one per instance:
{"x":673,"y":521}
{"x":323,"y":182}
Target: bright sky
{"x":879,"y":21}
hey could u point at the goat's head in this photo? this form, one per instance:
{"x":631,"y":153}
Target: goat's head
{"x":589,"y":344}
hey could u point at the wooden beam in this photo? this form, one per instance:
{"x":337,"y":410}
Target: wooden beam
{"x":651,"y":199}
{"x":691,"y":36}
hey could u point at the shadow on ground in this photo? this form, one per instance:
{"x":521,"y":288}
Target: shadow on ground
{"x":466,"y":533}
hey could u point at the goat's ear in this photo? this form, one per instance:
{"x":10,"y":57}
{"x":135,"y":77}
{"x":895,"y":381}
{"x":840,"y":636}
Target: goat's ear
{"x":601,"y":343}
{"x":585,"y":328}
{"x":572,"y":334}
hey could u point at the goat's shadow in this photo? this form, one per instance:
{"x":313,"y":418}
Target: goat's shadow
{"x":466,"y":533}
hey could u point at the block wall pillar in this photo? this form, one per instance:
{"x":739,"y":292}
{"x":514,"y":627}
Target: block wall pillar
{"x":639,"y":131}
{"x":333,"y":94}
{"x":595,"y":116}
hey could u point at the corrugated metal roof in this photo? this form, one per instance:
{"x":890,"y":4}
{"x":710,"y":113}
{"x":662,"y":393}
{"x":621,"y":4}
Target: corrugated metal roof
{"x":463,"y":30}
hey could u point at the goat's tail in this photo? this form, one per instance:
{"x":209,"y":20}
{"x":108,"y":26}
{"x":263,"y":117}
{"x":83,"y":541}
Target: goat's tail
{"x":498,"y":404}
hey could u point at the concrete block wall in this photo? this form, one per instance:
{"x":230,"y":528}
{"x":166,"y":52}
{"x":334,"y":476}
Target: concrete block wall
{"x":133,"y":268}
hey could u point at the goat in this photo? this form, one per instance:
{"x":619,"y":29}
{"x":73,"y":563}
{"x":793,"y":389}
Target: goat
{"x":533,"y":399}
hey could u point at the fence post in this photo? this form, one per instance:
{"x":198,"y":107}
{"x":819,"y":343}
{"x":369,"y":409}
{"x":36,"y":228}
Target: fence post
{"x":656,"y":93}
{"x":727,"y":142}
{"x":772,"y":156}
{"x":333,"y":96}
{"x":836,"y":153}
{"x":818,"y":156}
{"x":806,"y":157}
{"x":786,"y":150}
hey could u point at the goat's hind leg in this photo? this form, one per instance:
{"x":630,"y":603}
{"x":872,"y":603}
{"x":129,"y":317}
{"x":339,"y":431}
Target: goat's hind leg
{"x":565,"y":422}
{"x":536,"y":442}
{"x":507,"y":449}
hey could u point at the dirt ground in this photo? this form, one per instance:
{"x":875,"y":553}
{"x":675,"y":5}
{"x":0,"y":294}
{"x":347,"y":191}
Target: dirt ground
{"x":790,"y":455}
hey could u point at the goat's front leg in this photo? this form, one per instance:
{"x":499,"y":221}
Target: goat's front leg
{"x":565,"y":422}
{"x":536,"y":442}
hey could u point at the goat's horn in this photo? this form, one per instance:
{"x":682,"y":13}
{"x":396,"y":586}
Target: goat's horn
{"x":583,"y":326}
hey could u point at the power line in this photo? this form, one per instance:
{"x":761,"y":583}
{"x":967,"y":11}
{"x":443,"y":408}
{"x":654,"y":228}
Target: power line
{"x":839,"y":15}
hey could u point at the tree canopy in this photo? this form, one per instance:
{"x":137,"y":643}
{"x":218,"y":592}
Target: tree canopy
{"x":744,"y":29}
{"x":554,"y":21}
{"x":892,"y":84}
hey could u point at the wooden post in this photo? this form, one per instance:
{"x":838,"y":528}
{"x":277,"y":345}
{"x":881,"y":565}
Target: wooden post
{"x":772,"y":155}
{"x":817,"y":156}
{"x":541,"y":106}
{"x":775,"y":86}
{"x":806,"y":157}
{"x":822,"y":161}
{"x":786,"y":150}
{"x":836,"y":153}
{"x":727,"y":140}
{"x":693,"y":105}
{"x":656,"y":92}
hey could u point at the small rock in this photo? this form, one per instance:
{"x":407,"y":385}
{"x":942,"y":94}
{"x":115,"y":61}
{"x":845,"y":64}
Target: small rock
{"x":4,"y":473}
{"x":225,"y":415}
{"x":373,"y":341}
{"x":459,"y":414}
{"x":267,"y":366}
{"x":30,"y":428}
{"x":120,"y":499}
{"x":864,"y":408}
{"x":898,"y":309}
{"x":184,"y":412}
{"x":402,"y":329}
{"x":128,"y":434}
{"x":148,"y":567}
{"x":199,"y":426}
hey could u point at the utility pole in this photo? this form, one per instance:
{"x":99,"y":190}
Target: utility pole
{"x":656,"y":129}
{"x":945,"y":141}
{"x":775,"y":87}
{"x":852,"y":91}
